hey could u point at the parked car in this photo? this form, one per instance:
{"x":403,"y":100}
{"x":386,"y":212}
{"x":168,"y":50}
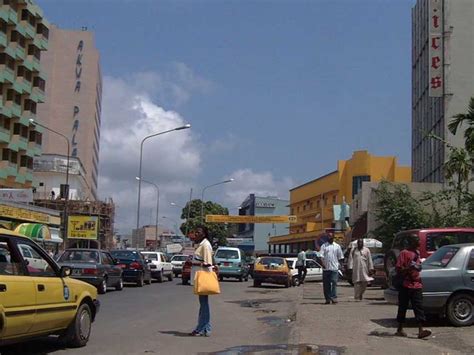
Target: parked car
{"x":431,"y":239}
{"x":314,"y":270}
{"x":32,"y":257}
{"x":231,"y":263}
{"x":134,"y":267}
{"x":96,"y":267}
{"x":160,"y":267}
{"x":187,"y":266}
{"x":42,"y":301}
{"x":380,"y":277}
{"x":177,"y":262}
{"x":272,"y":269}
{"x":448,"y":287}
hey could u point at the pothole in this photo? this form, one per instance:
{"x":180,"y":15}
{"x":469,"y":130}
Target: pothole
{"x":281,"y":349}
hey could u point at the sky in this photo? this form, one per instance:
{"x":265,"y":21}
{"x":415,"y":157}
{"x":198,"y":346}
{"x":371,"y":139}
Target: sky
{"x":276,"y":92}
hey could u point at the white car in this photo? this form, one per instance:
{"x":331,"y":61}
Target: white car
{"x":177,"y":262}
{"x":33,"y":258}
{"x":314,"y":271}
{"x":159,"y":266}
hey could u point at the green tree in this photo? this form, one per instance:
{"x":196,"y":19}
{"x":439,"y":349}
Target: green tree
{"x":466,"y":119}
{"x":217,"y":231}
{"x":397,"y":210}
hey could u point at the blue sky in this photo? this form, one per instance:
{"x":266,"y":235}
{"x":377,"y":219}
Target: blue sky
{"x":276,"y":91}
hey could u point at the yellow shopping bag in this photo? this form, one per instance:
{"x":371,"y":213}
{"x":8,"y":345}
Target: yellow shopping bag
{"x":205,"y":283}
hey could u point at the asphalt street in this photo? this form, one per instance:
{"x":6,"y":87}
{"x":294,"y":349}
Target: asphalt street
{"x":156,"y":319}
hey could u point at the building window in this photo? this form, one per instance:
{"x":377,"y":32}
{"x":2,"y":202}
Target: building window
{"x":357,"y":183}
{"x":5,"y":154}
{"x":24,"y":132}
{"x":23,"y":161}
{"x":13,"y":157}
{"x":39,"y":138}
{"x":3,"y":26}
{"x":16,"y":129}
{"x":292,"y":210}
{"x":318,"y":203}
{"x":6,"y":122}
{"x":334,"y":199}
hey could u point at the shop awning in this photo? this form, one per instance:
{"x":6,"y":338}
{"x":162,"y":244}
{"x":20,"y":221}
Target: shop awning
{"x":55,"y":236}
{"x":35,"y":231}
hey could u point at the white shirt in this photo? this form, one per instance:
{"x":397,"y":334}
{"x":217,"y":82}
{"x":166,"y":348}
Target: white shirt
{"x":331,"y":253}
{"x":202,"y":254}
{"x":301,"y":258}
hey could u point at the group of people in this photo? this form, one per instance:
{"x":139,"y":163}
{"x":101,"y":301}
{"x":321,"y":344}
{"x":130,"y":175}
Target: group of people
{"x":359,"y":261}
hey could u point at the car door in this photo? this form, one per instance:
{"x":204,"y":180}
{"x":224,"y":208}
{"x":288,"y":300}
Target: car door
{"x":54,"y":300}
{"x":165,"y":264}
{"x":112,"y":271}
{"x":468,"y":274}
{"x":314,"y":271}
{"x":17,"y":292}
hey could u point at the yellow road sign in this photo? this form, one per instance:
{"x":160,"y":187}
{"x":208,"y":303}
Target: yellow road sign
{"x":217,"y":218}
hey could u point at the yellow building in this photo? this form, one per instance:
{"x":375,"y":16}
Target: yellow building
{"x":313,"y":201}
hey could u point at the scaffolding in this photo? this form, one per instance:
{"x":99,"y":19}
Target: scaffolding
{"x":105,"y":210}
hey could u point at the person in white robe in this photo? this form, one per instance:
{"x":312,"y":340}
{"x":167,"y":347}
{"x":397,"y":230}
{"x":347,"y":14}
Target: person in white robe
{"x":360,"y":262}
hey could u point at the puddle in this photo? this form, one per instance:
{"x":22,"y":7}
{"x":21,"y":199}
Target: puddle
{"x":255,"y":303}
{"x":265,"y":310}
{"x":282,"y":349}
{"x":278,"y":321}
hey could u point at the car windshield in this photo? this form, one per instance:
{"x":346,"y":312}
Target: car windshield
{"x":80,"y":256}
{"x":434,"y":241}
{"x":442,"y":256}
{"x":290,"y":263}
{"x":227,"y":254}
{"x":179,"y":258}
{"x":272,"y":261}
{"x":125,"y":254}
{"x":150,"y":256}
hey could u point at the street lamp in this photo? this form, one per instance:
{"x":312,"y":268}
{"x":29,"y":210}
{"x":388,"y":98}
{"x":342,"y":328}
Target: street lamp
{"x":202,"y":194}
{"x":65,"y":211}
{"x":157,"y":209}
{"x":186,"y":126}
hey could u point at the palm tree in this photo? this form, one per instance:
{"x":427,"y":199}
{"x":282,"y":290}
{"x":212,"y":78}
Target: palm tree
{"x":457,"y":169}
{"x":468,"y":119}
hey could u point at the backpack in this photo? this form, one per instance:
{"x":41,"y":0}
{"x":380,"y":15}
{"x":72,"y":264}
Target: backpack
{"x":398,"y":278}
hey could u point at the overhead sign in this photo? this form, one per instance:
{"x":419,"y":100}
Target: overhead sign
{"x":216,"y":218}
{"x":83,"y":227}
{"x":27,"y":215}
{"x":16,"y":195}
{"x":435,"y":52}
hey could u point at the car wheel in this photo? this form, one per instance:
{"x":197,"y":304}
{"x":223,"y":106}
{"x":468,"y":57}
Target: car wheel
{"x":296,"y":281}
{"x":170,"y":277}
{"x":119,"y":286}
{"x":102,"y":288}
{"x":160,"y":276}
{"x":77,"y":334}
{"x":460,"y":310}
{"x":141,"y":281}
{"x":240,"y":279}
{"x":257,"y":283}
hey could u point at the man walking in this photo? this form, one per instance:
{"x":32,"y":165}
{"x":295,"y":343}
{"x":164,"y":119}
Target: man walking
{"x":331,"y":255}
{"x":301,"y":266}
{"x":360,"y":262}
{"x":409,"y":266}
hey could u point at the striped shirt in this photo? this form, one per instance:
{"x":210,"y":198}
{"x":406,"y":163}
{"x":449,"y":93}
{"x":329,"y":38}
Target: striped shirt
{"x":332,"y":253}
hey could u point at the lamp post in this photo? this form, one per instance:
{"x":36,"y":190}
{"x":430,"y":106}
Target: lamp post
{"x":66,"y":198}
{"x":186,"y":126}
{"x":202,"y":194}
{"x":157,"y":208}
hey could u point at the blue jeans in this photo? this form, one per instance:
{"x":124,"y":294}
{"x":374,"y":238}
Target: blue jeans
{"x":330,"y":284}
{"x":204,"y":319}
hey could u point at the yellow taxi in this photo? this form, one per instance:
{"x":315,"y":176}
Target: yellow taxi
{"x":271,"y":269}
{"x":37,"y":298}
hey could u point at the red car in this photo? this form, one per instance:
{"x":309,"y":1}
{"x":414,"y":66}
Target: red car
{"x":186,"y":273}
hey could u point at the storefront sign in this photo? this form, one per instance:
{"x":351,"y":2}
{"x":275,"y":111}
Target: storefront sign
{"x":77,"y":90}
{"x":16,"y":195}
{"x":22,"y":214}
{"x":215,"y":218}
{"x":435,"y":52}
{"x":83,"y":227}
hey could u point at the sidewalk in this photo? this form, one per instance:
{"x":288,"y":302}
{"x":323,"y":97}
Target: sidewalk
{"x":367,"y":327}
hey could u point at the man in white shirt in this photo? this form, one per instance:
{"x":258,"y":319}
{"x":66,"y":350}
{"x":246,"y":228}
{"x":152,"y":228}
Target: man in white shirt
{"x":332,"y":255}
{"x":301,"y":266}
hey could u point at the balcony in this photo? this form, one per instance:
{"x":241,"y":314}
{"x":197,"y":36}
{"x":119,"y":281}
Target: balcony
{"x":7,"y":169}
{"x":6,"y":74}
{"x":3,"y":40}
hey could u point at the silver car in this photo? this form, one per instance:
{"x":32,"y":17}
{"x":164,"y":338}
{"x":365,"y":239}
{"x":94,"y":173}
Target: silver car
{"x":448,"y":284}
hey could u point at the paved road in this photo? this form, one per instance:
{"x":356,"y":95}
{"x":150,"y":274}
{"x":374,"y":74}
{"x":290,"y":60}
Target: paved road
{"x":155,"y":319}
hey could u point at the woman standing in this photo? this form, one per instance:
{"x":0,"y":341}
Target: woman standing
{"x":202,"y":261}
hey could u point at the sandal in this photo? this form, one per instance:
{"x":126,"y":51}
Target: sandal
{"x":424,"y":334}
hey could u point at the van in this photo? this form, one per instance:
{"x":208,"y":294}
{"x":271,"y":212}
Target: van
{"x":232,"y":263}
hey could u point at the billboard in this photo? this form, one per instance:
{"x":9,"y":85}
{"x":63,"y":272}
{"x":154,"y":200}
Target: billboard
{"x":214,"y":218}
{"x":83,"y":227}
{"x":435,"y":52}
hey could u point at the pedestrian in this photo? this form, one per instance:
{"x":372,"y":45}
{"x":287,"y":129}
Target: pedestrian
{"x":202,"y":261}
{"x":301,"y":266}
{"x":361,"y":265}
{"x":331,"y":255}
{"x":409,"y":267}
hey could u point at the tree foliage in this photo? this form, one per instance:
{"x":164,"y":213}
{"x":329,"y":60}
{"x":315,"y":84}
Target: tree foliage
{"x":468,"y":120}
{"x":217,"y":231}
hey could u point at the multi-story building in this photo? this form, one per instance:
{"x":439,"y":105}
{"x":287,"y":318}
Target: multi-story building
{"x":72,"y":108}
{"x":442,"y":80}
{"x":313,"y":202}
{"x":23,"y":39}
{"x":254,"y":237}
{"x":147,"y":237}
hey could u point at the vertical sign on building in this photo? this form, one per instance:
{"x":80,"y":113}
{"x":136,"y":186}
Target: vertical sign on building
{"x":436,"y":77}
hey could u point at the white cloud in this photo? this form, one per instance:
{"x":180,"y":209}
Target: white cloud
{"x":261,"y":183}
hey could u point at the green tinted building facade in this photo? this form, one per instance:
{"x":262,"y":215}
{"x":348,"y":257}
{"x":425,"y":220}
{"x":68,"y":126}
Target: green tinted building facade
{"x":23,"y":36}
